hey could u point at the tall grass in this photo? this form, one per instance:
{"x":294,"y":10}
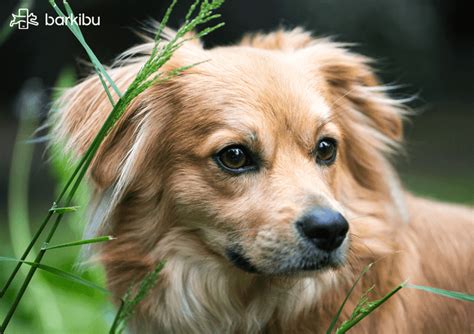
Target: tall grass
{"x":365,"y":307}
{"x":134,"y":295}
{"x":43,"y":300}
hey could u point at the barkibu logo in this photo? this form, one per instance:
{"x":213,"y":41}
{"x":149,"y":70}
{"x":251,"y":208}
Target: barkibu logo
{"x":24,"y":19}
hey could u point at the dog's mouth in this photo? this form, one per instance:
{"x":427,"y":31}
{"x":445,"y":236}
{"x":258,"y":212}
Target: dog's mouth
{"x":240,"y":261}
{"x":294,"y":265}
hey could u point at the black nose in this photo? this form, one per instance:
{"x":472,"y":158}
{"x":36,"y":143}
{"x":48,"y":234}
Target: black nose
{"x":325,"y":227}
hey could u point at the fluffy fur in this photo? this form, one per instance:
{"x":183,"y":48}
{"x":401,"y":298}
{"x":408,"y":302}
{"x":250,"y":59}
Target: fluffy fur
{"x":158,"y":190}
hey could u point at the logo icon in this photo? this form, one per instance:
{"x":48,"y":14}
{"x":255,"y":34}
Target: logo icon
{"x":24,"y":19}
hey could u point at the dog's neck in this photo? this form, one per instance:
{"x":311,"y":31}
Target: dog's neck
{"x":197,"y":284}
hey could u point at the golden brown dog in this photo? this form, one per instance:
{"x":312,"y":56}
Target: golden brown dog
{"x":262,"y":178}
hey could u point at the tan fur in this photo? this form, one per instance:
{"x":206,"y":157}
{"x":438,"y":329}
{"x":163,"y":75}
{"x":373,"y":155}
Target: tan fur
{"x":158,"y":190}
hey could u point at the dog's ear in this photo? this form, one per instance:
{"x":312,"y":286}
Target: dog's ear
{"x":349,"y":76}
{"x":81,"y":112}
{"x":83,"y":109}
{"x":353,"y":85}
{"x":371,"y":121}
{"x":127,"y":149}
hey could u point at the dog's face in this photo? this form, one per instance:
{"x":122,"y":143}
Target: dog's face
{"x":255,"y":162}
{"x":257,"y":152}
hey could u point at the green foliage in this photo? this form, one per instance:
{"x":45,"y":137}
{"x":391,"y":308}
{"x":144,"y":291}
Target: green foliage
{"x":364,"y":307}
{"x":445,"y":293}
{"x":79,"y":242}
{"x":76,"y":30}
{"x":58,"y":272}
{"x":62,"y":210}
{"x":42,"y":299}
{"x":339,"y":311}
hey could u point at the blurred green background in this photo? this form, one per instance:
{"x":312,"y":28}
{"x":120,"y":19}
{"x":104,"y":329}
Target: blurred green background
{"x":426,"y":46}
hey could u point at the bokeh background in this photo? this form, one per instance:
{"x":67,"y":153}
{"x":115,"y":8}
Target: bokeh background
{"x":426,"y":46}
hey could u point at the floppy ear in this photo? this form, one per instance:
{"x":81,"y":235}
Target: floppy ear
{"x":372,"y":122}
{"x":83,"y":109}
{"x":352,"y":82}
{"x":349,"y":77}
{"x":81,"y":112}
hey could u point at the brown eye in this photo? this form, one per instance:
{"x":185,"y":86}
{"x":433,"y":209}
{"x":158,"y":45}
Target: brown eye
{"x":326,"y":151}
{"x":235,"y":159}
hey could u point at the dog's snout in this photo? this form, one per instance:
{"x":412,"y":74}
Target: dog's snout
{"x":326,"y":228}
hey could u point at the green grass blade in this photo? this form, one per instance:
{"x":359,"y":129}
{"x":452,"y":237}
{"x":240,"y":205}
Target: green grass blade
{"x":338,"y":314}
{"x":79,"y":242}
{"x":207,"y":31}
{"x":97,"y":64}
{"x":106,"y":88}
{"x":64,"y":209}
{"x":129,"y":302}
{"x":366,"y":307}
{"x":42,"y":298}
{"x":60,"y":273}
{"x":164,"y":21}
{"x":42,"y":226}
{"x":446,"y":293}
{"x":115,"y":324}
{"x":75,"y":29}
{"x":191,"y":10}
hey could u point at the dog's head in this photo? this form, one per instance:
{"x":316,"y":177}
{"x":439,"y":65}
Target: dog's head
{"x":268,"y":153}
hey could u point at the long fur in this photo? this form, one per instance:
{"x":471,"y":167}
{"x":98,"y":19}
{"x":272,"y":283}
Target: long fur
{"x":159,"y":193}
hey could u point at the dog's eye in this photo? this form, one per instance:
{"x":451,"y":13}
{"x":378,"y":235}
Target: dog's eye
{"x":235,"y":159}
{"x":326,"y":151}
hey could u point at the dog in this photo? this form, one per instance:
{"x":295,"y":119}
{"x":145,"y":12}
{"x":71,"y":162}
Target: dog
{"x":263,"y":178}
